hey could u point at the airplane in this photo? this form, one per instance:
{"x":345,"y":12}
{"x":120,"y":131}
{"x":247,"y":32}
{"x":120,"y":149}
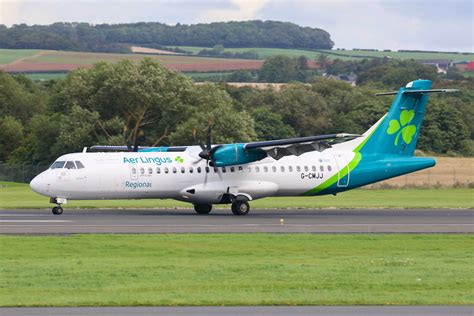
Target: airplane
{"x":242,"y":172}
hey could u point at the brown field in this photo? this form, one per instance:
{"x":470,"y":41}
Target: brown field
{"x":448,"y":172}
{"x":54,"y":61}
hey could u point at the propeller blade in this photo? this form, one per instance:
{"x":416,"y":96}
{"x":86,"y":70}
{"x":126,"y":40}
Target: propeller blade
{"x":208,"y":137}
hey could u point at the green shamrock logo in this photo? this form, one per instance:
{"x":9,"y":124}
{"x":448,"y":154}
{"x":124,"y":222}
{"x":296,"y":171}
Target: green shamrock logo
{"x":178,"y":159}
{"x":402,"y":127}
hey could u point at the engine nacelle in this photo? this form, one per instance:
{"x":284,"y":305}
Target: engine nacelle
{"x":235,"y":154}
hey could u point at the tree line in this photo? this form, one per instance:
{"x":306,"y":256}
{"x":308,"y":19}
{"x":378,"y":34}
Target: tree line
{"x":118,"y":37}
{"x":116,"y":104}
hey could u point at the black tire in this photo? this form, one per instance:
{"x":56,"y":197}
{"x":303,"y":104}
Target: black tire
{"x":240,"y":208}
{"x":203,"y":208}
{"x":57,"y":210}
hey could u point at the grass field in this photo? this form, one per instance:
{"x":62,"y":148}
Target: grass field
{"x":9,"y":55}
{"x":236,"y":269}
{"x":46,"y":76}
{"x":19,"y":195}
{"x":346,"y":54}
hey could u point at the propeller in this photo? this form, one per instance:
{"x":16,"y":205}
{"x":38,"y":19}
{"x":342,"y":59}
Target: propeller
{"x":208,"y":151}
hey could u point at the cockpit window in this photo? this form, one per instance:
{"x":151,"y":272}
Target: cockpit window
{"x":70,"y":165}
{"x":79,"y":165}
{"x":58,"y":164}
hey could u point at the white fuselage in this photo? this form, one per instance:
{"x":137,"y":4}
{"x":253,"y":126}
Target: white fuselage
{"x":184,"y":176}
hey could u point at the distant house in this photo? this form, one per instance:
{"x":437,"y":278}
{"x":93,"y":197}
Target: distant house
{"x":465,"y":65}
{"x":350,"y":79}
{"x":441,"y":65}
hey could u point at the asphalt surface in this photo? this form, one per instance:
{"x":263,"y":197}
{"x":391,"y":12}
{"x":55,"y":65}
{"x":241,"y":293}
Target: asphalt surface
{"x":248,"y":311}
{"x":222,"y":221}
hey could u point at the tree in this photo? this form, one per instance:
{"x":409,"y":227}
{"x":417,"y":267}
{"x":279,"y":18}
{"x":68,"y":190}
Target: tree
{"x":11,"y":136}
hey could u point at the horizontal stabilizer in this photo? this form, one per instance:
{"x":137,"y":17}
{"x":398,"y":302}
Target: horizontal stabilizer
{"x":418,"y":91}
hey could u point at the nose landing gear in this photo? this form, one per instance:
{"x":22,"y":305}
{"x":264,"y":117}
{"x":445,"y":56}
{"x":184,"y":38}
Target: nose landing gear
{"x":57,"y":210}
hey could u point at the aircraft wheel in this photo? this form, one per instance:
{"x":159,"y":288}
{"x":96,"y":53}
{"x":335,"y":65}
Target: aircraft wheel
{"x":240,"y":208}
{"x":57,"y":210}
{"x":202,"y":208}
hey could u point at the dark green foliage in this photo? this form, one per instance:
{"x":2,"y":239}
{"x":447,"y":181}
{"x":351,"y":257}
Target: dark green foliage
{"x":117,"y":37}
{"x":280,"y":68}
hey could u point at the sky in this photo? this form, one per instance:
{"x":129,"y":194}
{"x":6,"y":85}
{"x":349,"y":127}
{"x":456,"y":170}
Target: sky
{"x":442,"y":25}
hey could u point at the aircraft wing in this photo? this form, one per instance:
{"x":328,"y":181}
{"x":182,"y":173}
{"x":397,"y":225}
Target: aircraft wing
{"x":300,"y":145}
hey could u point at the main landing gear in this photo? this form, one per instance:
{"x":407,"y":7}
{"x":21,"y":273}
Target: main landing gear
{"x":57,"y":210}
{"x":238,"y":208}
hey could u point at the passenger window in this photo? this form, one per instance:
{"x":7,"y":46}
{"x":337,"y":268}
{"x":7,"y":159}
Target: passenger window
{"x":134,"y":170}
{"x":198,"y":169}
{"x":191,"y":169}
{"x":282,"y":168}
{"x":142,"y":171}
{"x":313,"y":168}
{"x":321,"y":168}
{"x":290,"y":168}
{"x":223,"y":170}
{"x":79,"y":165}
{"x":158,"y":170}
{"x":150,"y":170}
{"x":274,"y":168}
{"x":232,"y":169}
{"x":207,"y":170}
{"x":70,"y":165}
{"x":215,"y":170}
{"x":329,"y":168}
{"x":265,"y":169}
{"x":306,"y":168}
{"x":58,"y":164}
{"x":298,"y":169}
{"x":257,"y":169}
{"x":167,"y":170}
{"x":249,"y":169}
{"x":241,"y":168}
{"x":175,"y":170}
{"x":183,"y":170}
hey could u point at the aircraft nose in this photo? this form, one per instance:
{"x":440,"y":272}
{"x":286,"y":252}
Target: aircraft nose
{"x":38,"y":184}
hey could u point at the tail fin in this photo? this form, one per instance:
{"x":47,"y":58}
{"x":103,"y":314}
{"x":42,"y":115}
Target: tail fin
{"x":397,"y":132}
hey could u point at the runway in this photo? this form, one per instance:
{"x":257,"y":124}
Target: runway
{"x":248,"y":311}
{"x":222,"y":221}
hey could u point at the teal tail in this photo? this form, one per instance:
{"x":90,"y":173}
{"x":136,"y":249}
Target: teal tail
{"x":398,"y":132}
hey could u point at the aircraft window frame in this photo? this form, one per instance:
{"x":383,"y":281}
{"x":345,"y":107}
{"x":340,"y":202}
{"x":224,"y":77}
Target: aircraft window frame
{"x":191,"y":170}
{"x":274,"y":169}
{"x":298,"y":168}
{"x":175,"y":170}
{"x":290,"y":168}
{"x":167,"y":170}
{"x":134,"y":170}
{"x":241,"y":168}
{"x":79,"y":164}
{"x":257,"y":169}
{"x":142,"y":171}
{"x":71,"y":164}
{"x":158,"y":170}
{"x":232,"y":169}
{"x":224,"y":170}
{"x":183,"y":170}
{"x":249,"y":169}
{"x":282,"y":168}
{"x":207,"y":169}
{"x":321,"y":168}
{"x":216,"y":170}
{"x":198,"y":169}
{"x":60,"y":162}
{"x":265,"y":169}
{"x":150,"y":170}
{"x":313,"y":168}
{"x":329,"y":168}
{"x":305,"y":168}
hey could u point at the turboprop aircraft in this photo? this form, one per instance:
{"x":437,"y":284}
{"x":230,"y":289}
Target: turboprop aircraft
{"x":238,"y":173}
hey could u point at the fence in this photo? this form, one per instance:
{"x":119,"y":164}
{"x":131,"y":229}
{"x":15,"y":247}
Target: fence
{"x":20,"y":173}
{"x":448,"y":172}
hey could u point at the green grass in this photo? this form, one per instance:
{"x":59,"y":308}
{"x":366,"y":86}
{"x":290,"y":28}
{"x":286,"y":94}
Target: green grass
{"x":9,"y":55}
{"x":346,"y":54}
{"x":236,"y":269}
{"x":19,"y":195}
